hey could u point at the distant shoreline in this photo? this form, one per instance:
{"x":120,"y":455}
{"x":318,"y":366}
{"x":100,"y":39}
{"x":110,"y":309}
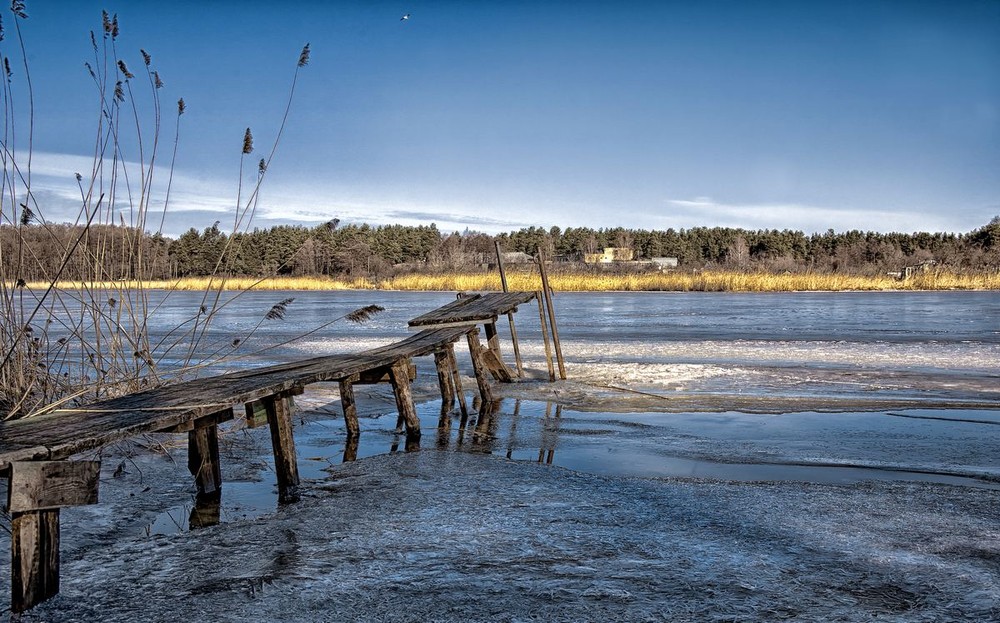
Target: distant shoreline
{"x":676,"y":281}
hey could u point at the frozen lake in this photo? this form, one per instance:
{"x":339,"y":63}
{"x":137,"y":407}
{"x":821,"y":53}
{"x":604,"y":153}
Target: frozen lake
{"x":820,"y":456}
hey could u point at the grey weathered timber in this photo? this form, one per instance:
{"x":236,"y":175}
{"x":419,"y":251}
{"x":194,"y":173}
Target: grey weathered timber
{"x":478,"y":367}
{"x":457,"y":380}
{"x":65,"y":432}
{"x":545,"y":337}
{"x":404,"y":399}
{"x":47,"y":485}
{"x":547,"y":296}
{"x":286,"y":468}
{"x":349,"y":406}
{"x":443,"y":366}
{"x":473,"y":309}
{"x":203,"y":461}
{"x":34,"y":558}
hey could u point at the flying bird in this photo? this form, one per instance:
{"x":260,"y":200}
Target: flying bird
{"x":405,"y":17}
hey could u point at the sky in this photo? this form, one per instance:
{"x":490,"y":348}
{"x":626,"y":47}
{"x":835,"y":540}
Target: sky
{"x":493,"y":116}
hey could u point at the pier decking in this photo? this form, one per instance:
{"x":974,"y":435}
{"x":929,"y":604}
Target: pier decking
{"x":35,"y":452}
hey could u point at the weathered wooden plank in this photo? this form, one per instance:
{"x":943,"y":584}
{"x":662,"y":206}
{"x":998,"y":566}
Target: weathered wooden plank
{"x":497,"y":368}
{"x":481,"y":308}
{"x":44,"y":485}
{"x":256,"y":414}
{"x":34,"y":558}
{"x":286,"y":468}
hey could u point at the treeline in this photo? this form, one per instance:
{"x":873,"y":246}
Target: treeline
{"x":36,"y":252}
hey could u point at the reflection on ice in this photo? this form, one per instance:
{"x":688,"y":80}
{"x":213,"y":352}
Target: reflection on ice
{"x":948,"y":447}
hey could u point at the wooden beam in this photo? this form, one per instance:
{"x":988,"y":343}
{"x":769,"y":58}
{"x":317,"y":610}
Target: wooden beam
{"x":211,"y":419}
{"x":256,"y":414}
{"x":279,"y":417}
{"x":492,"y":357}
{"x":478,"y":367}
{"x":381,"y":375}
{"x":350,"y":409}
{"x":46,"y":485}
{"x":399,"y":375}
{"x":34,"y":558}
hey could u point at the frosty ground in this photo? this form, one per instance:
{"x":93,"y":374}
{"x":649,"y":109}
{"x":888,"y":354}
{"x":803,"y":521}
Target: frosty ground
{"x":468,"y":535}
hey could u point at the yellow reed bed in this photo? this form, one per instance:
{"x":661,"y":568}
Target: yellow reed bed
{"x":230,"y":283}
{"x":708,"y":281}
{"x":705,"y":281}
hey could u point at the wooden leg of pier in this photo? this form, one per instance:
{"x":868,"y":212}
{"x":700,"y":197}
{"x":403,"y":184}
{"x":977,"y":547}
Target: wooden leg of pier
{"x":456,"y":377}
{"x":35,"y":492}
{"x":443,"y":365}
{"x":279,"y":417}
{"x":476,"y":353}
{"x":492,"y":357}
{"x":34,"y":558}
{"x":350,"y":409}
{"x":203,"y":462}
{"x":399,"y":376}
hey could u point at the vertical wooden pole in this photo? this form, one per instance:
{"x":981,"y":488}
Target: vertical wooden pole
{"x":203,"y":462}
{"x":351,"y":449}
{"x":545,"y":334}
{"x":399,"y":375}
{"x":279,"y":417}
{"x":456,"y":377}
{"x":350,"y":409}
{"x":492,"y":338}
{"x":443,"y":366}
{"x":510,"y":315}
{"x":547,"y":291}
{"x":34,"y":558}
{"x":475,"y":353}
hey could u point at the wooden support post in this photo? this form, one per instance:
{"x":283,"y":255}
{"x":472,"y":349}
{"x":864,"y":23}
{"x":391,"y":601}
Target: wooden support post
{"x":35,"y":492}
{"x":279,"y":417}
{"x":545,"y":335}
{"x":351,"y":450}
{"x":443,"y":365}
{"x":475,"y":352}
{"x":400,"y":378}
{"x":203,"y":462}
{"x":510,"y":315}
{"x":457,"y":378}
{"x":34,"y":558}
{"x":491,"y":356}
{"x":349,"y":406}
{"x":547,"y":291}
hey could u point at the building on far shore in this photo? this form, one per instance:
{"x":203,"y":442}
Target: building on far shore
{"x":610,"y":255}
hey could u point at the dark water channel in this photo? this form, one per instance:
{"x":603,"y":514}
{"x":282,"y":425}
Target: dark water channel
{"x":950,"y":447}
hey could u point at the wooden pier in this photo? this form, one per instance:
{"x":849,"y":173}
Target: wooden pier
{"x":36,"y":453}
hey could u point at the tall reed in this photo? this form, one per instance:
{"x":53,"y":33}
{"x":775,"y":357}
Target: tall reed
{"x":89,"y":339}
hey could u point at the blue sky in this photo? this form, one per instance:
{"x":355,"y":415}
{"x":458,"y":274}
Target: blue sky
{"x":498,"y":115}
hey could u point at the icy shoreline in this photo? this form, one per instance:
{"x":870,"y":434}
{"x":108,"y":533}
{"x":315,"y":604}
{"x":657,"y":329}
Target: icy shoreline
{"x":446,"y":536}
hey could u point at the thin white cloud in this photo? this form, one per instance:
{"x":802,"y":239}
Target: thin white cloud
{"x":703,"y":211}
